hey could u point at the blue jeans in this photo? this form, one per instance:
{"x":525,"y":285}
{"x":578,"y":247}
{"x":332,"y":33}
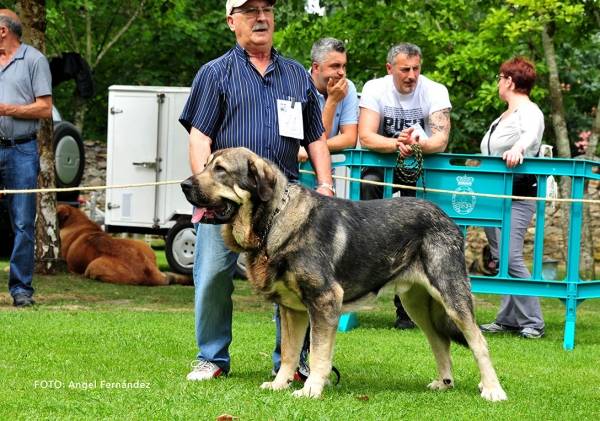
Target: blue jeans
{"x":19,"y":169}
{"x":214,"y":266}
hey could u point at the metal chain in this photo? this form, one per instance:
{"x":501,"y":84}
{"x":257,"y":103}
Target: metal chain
{"x":284,"y":199}
{"x":409,"y":174}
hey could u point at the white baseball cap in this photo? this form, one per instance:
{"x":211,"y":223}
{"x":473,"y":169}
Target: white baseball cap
{"x":232,"y":4}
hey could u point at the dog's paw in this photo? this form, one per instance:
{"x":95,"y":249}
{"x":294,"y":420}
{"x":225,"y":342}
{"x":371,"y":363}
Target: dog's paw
{"x":274,"y":385}
{"x":267,"y":385}
{"x":496,"y":394}
{"x":306,"y":392}
{"x":441,"y":385}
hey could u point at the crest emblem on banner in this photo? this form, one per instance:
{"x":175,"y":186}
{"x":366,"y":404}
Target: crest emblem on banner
{"x":463,"y":203}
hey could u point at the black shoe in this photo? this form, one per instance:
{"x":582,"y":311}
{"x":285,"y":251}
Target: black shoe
{"x":403,"y":320}
{"x":22,"y":299}
{"x":402,"y":324}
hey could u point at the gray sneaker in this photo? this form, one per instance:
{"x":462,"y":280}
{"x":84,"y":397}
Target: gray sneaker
{"x":204,"y":370}
{"x":498,"y":328}
{"x":532,"y":333}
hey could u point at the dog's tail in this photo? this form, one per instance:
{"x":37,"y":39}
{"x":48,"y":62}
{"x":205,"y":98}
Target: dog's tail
{"x":444,"y":325}
{"x":174,"y":278}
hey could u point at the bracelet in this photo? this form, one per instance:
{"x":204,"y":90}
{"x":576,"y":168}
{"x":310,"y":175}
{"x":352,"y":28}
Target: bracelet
{"x":329,"y":186}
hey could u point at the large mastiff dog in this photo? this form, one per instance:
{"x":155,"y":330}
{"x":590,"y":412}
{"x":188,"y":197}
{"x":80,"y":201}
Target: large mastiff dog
{"x":318,"y":257}
{"x":91,"y":252}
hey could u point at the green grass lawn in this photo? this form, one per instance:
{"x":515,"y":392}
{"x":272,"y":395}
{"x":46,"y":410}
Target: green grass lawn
{"x":64,"y":358}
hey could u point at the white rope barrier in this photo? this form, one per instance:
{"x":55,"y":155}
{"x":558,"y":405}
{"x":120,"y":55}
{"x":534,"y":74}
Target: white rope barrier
{"x":552,"y":198}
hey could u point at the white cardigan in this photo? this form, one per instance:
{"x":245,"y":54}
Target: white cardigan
{"x":524,"y":127}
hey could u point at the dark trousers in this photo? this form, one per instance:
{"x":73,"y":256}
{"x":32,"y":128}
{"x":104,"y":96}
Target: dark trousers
{"x":400,"y":312}
{"x":372,"y":191}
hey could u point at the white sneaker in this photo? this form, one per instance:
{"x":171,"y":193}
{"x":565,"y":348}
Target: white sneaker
{"x":204,"y":370}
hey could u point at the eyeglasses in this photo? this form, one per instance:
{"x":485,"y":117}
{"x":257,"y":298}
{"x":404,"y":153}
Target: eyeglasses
{"x":254,"y":12}
{"x":498,"y":77}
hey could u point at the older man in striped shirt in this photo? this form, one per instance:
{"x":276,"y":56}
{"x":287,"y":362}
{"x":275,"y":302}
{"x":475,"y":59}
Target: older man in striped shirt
{"x":234,"y":102}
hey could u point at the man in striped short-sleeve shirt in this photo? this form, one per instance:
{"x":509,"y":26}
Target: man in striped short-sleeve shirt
{"x":234,"y":103}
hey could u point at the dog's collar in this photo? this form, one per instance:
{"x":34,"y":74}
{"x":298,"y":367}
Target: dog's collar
{"x":284,"y":200}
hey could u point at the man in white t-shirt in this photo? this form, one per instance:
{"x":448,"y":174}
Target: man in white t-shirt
{"x":400,"y":109}
{"x":337,"y":95}
{"x":396,"y":111}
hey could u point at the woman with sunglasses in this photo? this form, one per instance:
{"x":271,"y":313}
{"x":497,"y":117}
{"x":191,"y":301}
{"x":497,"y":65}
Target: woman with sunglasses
{"x":515,"y":134}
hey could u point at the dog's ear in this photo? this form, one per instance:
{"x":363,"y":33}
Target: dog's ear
{"x":264,"y":177}
{"x":62,"y":212}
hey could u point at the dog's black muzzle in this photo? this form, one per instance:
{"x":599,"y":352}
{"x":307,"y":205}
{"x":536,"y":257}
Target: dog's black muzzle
{"x":213,"y":213}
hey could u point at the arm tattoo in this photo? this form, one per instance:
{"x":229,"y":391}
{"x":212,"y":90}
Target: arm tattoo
{"x":440,"y":122}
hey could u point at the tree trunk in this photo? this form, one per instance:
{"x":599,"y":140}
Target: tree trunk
{"x":47,"y":238}
{"x":586,"y":262}
{"x":558,"y":112}
{"x":560,"y":126}
{"x":79,"y":112}
{"x":47,"y":241}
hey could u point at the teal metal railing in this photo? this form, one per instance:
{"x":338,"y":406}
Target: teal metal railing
{"x":469,"y":195}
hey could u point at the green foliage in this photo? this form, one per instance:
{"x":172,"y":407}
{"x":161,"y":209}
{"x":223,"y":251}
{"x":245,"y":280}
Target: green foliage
{"x":580,"y":77}
{"x":451,"y":34}
{"x":464,"y":42}
{"x":165,"y":46}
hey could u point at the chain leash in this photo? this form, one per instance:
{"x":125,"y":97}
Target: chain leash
{"x":284,"y":199}
{"x":409,"y":174}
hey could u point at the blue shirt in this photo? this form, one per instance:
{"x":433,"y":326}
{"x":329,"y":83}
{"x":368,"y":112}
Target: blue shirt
{"x":25,"y":77}
{"x":234,"y":105}
{"x":346,"y":112}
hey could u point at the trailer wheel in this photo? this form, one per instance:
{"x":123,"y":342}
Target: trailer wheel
{"x":180,"y":245}
{"x":69,"y":154}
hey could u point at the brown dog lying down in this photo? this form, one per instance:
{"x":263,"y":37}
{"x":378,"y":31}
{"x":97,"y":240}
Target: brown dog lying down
{"x":91,"y":252}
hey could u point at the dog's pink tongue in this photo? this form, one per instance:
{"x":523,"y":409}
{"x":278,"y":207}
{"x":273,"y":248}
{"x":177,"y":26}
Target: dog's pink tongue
{"x":198,"y":214}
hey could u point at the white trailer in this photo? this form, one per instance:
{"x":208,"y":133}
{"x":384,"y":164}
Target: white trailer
{"x":146,"y":144}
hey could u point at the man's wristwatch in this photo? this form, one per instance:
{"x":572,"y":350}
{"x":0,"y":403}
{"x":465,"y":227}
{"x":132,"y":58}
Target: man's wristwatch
{"x":329,"y":186}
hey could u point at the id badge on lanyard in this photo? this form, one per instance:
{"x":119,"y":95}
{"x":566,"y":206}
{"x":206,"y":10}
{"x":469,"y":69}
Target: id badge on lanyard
{"x":289,"y":114}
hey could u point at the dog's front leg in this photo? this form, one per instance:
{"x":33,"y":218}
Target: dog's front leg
{"x":324,"y":319}
{"x":293,"y":329}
